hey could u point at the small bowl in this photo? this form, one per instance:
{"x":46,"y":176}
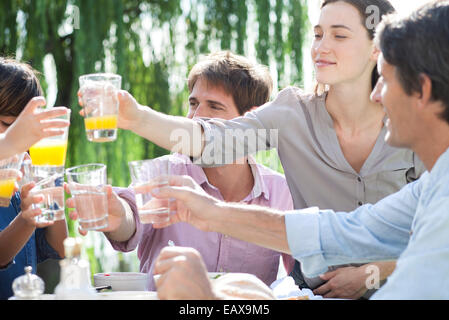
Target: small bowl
{"x":122,"y":281}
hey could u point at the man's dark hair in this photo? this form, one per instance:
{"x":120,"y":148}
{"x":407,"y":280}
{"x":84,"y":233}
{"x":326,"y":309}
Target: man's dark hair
{"x":18,"y":85}
{"x":419,"y":45}
{"x":249,"y":83}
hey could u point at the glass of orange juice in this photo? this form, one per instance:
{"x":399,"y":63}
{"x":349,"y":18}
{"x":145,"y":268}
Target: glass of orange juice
{"x":100,"y":105}
{"x":51,"y":151}
{"x":9,"y":172}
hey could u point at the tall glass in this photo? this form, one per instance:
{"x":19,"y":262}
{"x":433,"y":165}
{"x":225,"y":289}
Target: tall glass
{"x":100,"y":105}
{"x":9,"y":172}
{"x":47,"y":171}
{"x":147,"y":175}
{"x":51,"y":151}
{"x":87,"y":184}
{"x":51,"y":187}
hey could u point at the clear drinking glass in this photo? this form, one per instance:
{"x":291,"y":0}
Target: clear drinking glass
{"x":51,"y":151}
{"x":87,"y":184}
{"x":9,"y":172}
{"x":100,"y":105}
{"x":147,"y":175}
{"x":49,"y":182}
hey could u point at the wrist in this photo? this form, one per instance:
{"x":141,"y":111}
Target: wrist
{"x":141,"y":120}
{"x":24,"y":222}
{"x":217,"y":212}
{"x":127,"y":226}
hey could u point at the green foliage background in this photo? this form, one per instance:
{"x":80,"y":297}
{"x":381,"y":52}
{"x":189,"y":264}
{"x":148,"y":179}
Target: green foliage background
{"x":86,"y":36}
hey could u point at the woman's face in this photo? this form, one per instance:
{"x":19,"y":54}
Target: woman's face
{"x":6,"y":122}
{"x":342,"y":51}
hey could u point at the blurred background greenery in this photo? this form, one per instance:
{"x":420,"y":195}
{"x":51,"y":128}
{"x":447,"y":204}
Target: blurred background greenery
{"x":152,"y":45}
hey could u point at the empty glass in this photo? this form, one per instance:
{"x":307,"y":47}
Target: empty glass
{"x":87,"y":184}
{"x":100,"y":105}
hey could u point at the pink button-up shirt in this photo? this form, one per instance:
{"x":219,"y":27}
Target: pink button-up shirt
{"x":220,"y":253}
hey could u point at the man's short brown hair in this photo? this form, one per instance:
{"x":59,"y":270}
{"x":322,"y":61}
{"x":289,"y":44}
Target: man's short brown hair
{"x":249,"y":83}
{"x":18,"y":85}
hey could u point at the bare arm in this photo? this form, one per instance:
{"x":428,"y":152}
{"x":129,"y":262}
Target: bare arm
{"x":259,"y":225}
{"x":13,"y":238}
{"x":126,"y":228}
{"x":55,"y":236}
{"x":177,"y":134}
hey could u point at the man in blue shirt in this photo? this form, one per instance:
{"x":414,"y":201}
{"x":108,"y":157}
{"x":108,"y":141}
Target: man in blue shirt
{"x":411,"y":225}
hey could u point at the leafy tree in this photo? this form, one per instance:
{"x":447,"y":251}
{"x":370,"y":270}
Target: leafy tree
{"x":141,"y":40}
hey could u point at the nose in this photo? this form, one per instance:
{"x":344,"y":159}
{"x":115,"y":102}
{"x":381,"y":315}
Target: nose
{"x":195,"y":112}
{"x":321,"y":45}
{"x":376,"y":93}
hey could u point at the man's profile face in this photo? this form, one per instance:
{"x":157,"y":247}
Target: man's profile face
{"x":397,"y":104}
{"x":211,"y":101}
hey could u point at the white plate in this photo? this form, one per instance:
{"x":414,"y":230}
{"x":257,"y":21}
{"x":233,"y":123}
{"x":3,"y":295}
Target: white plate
{"x":122,"y":281}
{"x":212,"y":275}
{"x":128,"y":295}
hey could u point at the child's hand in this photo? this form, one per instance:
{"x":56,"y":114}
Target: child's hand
{"x":28,"y":213}
{"x":31,"y":126}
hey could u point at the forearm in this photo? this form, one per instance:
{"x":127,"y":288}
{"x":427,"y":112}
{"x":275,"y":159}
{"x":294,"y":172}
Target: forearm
{"x":6,"y":149}
{"x":259,"y":225}
{"x":177,"y":134}
{"x":127,"y":227}
{"x":55,"y":236}
{"x":385,"y":268}
{"x":13,"y":238}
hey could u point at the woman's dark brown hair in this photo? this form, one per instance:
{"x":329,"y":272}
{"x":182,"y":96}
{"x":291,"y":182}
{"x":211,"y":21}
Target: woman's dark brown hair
{"x":18,"y":85}
{"x":364,"y":7}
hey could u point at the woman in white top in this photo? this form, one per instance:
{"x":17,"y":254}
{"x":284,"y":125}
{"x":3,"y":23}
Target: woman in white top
{"x":331,"y":143}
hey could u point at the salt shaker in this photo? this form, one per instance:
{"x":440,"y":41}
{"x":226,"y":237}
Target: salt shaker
{"x":28,"y":286}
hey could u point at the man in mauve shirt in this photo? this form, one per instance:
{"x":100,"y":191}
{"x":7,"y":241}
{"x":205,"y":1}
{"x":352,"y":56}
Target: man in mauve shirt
{"x":226,"y":86}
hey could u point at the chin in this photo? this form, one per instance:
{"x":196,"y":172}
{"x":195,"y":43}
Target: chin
{"x":395,"y":142}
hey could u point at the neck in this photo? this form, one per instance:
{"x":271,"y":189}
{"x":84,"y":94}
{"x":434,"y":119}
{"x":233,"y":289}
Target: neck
{"x":235,"y":181}
{"x":350,"y":107}
{"x":434,"y":142}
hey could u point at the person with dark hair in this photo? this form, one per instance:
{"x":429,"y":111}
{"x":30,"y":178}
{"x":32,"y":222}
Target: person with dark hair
{"x":23,"y":241}
{"x":222,"y":85}
{"x":20,"y":126}
{"x":330,"y":142}
{"x":410,"y":225}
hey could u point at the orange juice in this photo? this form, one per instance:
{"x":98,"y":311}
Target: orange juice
{"x":7,"y":188}
{"x":49,"y":152}
{"x":101,"y":123}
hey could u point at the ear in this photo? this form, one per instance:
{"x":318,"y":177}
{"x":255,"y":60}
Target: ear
{"x":375,"y":54}
{"x":252,"y":109}
{"x":426,"y":91}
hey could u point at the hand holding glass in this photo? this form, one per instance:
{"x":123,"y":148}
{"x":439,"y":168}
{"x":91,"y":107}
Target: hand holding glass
{"x":51,"y":151}
{"x":9,"y":173}
{"x":87,"y":184}
{"x":147,"y":175}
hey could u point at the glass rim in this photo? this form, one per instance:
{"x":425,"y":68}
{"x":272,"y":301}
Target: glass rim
{"x":71,"y":170}
{"x":17,"y":158}
{"x":110,"y":75}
